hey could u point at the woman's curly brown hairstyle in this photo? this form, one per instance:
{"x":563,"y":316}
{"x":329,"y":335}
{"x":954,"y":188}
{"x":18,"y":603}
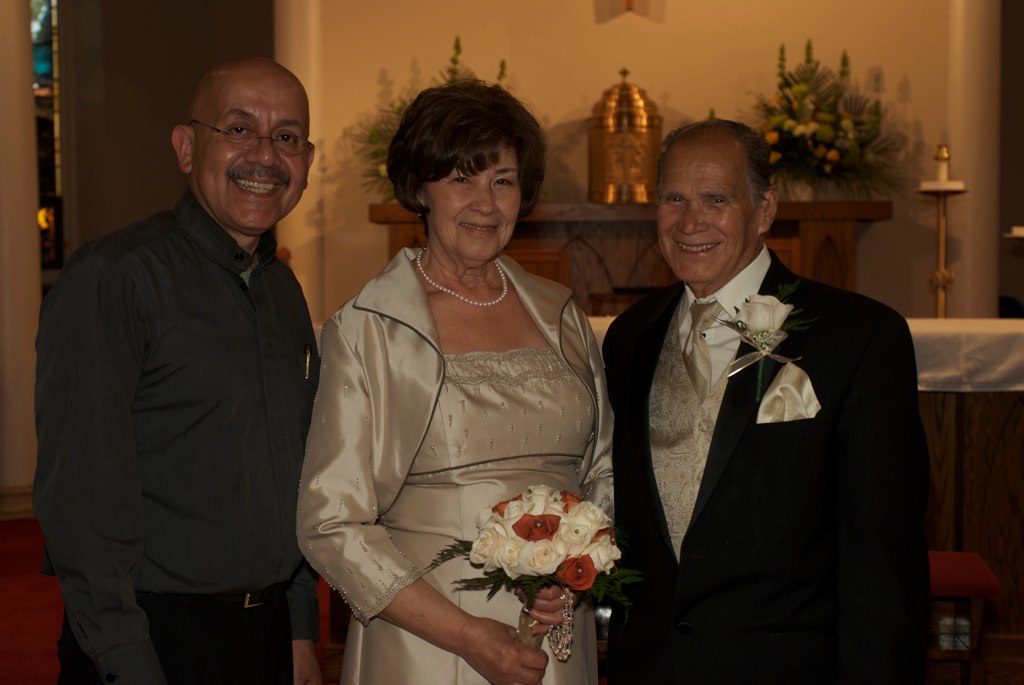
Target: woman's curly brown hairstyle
{"x":463,"y":126}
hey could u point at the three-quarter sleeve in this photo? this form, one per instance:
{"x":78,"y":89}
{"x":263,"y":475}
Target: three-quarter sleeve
{"x":356,"y":462}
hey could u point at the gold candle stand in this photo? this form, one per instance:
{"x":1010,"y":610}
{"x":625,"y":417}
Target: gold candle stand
{"x":942,"y":277}
{"x":940,"y":189}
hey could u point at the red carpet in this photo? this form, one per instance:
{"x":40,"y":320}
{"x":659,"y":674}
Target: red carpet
{"x":32,"y":609}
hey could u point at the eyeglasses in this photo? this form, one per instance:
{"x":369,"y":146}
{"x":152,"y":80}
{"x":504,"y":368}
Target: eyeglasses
{"x":246,"y":138}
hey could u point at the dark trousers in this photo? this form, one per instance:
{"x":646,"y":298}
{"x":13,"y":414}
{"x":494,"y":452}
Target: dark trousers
{"x":201,"y":642}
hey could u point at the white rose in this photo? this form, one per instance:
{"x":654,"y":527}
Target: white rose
{"x":603,"y":553}
{"x":763,"y":313}
{"x":540,"y":491}
{"x":515,"y":509}
{"x":538,"y":558}
{"x":537,"y":499}
{"x":486,"y":546}
{"x":573,"y":536}
{"x":589,"y":514}
{"x":578,"y":527}
{"x":489,"y":519}
{"x":507,"y":556}
{"x":485,"y":518}
{"x":555,"y":505}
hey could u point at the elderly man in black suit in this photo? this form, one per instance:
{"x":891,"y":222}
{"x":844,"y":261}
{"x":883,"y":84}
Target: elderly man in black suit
{"x":771,"y":470}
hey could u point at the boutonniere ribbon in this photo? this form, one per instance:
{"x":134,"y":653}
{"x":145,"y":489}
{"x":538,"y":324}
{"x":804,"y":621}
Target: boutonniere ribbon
{"x":764,"y":344}
{"x":762,"y":322}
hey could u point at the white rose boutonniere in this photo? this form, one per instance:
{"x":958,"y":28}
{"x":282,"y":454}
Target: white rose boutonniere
{"x":764,"y":313}
{"x":762,"y":322}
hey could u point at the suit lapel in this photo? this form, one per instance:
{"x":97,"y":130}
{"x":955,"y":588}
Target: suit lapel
{"x":739,"y":407}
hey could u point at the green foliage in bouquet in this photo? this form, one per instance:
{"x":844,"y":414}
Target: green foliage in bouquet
{"x":374,"y":136}
{"x":823,"y":133}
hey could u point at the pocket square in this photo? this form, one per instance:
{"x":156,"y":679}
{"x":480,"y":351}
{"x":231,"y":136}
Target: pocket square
{"x":790,"y":397}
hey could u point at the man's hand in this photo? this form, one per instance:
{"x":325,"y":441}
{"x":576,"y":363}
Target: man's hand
{"x":305,"y":667}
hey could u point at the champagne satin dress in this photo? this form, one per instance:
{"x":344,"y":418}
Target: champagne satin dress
{"x":503,"y":421}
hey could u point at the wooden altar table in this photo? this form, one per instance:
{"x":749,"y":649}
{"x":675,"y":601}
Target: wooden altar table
{"x":971,"y":379}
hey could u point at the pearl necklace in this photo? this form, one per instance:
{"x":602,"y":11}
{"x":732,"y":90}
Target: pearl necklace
{"x":449,"y":291}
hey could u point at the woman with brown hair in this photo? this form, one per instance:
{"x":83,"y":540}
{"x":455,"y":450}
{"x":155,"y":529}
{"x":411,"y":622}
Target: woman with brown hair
{"x":452,"y":381}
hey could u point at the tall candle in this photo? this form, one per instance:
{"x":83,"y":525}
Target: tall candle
{"x":942,"y":163}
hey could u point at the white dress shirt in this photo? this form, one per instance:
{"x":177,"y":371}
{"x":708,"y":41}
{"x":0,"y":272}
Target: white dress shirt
{"x":723,"y":341}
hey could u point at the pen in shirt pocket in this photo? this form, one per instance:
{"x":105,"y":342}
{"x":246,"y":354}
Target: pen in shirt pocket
{"x":309,"y":351}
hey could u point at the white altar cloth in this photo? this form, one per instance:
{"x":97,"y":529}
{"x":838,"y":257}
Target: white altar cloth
{"x":953,"y":355}
{"x":969,"y":355}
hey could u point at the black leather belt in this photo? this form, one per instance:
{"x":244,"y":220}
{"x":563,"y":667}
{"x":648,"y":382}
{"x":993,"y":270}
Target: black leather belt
{"x":246,"y":600}
{"x":267,"y":594}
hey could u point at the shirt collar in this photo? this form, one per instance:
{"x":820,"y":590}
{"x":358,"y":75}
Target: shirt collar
{"x":744,"y":284}
{"x":216,"y":242}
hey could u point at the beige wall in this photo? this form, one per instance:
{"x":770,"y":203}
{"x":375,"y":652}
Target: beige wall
{"x":127,"y":73}
{"x":19,"y":261}
{"x":689,"y":57}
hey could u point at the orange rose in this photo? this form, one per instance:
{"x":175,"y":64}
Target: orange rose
{"x":532,"y":528}
{"x":577,"y":573}
{"x":570,"y":499}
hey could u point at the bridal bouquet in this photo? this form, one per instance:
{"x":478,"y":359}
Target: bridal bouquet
{"x":545,"y":537}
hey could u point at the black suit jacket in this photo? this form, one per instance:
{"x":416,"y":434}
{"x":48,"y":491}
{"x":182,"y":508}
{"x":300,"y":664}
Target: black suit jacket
{"x":805,"y":560}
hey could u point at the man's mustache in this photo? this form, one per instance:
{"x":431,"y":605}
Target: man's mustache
{"x":258,"y":172}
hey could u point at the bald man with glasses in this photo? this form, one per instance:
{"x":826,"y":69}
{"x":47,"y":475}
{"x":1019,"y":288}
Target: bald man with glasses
{"x":175,"y":379}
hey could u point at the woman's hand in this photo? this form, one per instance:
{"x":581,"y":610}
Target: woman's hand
{"x":492,"y":650}
{"x":488,"y":646}
{"x":546,"y":609}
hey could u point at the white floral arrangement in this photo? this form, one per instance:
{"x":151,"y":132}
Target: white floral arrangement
{"x":534,"y":533}
{"x":545,"y":537}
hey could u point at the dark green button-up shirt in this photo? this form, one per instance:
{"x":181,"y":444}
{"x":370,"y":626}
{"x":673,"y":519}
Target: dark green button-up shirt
{"x":172,"y":404}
